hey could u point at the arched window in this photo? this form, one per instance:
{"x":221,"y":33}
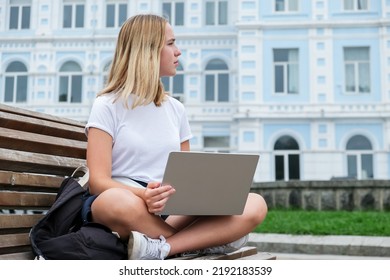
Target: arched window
{"x":70,"y":81}
{"x":217,"y":81}
{"x":287,"y":166}
{"x":15,"y":83}
{"x":175,"y":84}
{"x":360,"y":158}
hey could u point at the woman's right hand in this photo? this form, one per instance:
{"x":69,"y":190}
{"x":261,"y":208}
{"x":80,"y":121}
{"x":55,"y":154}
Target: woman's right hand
{"x":156,"y":196}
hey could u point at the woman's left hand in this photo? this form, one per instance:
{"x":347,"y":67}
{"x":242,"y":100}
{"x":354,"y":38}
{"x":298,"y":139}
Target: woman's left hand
{"x":156,"y":196}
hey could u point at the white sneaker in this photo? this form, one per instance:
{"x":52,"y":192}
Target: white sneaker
{"x":227,"y":248}
{"x":141,"y":247}
{"x":223,"y":249}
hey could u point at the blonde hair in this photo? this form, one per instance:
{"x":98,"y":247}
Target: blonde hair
{"x":136,"y":65}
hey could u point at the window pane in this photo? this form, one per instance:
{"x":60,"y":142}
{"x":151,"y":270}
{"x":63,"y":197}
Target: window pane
{"x":292,"y":78}
{"x":110,"y":15}
{"x":80,"y":16}
{"x":352,"y":166}
{"x":286,"y":143}
{"x":279,"y":167}
{"x":293,"y":167}
{"x":16,"y":67}
{"x":21,"y":89}
{"x":165,"y":81}
{"x":348,"y":5}
{"x":76,"y":89}
{"x":210,"y":13}
{"x":216,"y":64}
{"x":167,"y":11}
{"x":26,"y":17}
{"x":9,"y":89}
{"x":364,"y":77}
{"x":63,"y":94}
{"x":279,"y":5}
{"x":178,"y":83}
{"x":122,"y":14}
{"x":67,"y":21}
{"x":362,"y":4}
{"x":216,"y":141}
{"x":359,"y":142}
{"x":367,"y":167}
{"x":179,"y":14}
{"x":210,"y":91}
{"x":223,"y":88}
{"x":222,"y":13}
{"x":293,"y":5}
{"x":350,"y":77}
{"x":14,"y":18}
{"x":279,"y":81}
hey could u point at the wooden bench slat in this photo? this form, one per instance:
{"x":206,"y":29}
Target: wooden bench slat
{"x":39,"y":115}
{"x":29,"y":182}
{"x":40,"y":126}
{"x":242,"y":252}
{"x":16,"y":221}
{"x":32,"y":142}
{"x":27,"y":255}
{"x":14,"y":240}
{"x":9,"y":199}
{"x":20,"y":161}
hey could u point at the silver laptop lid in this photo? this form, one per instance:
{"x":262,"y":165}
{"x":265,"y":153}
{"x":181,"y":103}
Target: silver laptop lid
{"x":209,"y":183}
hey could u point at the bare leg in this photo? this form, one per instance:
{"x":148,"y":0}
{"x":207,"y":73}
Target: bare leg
{"x":212,"y":231}
{"x":123,"y":212}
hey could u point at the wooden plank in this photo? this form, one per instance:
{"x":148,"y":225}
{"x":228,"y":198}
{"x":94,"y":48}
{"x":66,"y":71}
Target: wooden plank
{"x":23,"y":200}
{"x":18,"y":221}
{"x":19,"y":161}
{"x":29,"y":182}
{"x":39,"y":115}
{"x":32,"y":142}
{"x":14,"y":240}
{"x":27,"y":255}
{"x":39,"y":126}
{"x":242,"y":252}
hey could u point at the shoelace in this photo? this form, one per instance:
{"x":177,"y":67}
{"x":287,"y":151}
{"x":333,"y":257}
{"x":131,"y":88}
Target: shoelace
{"x":154,"y":247}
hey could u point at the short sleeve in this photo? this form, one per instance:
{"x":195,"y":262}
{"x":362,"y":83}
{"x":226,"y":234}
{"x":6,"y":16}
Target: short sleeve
{"x":102,"y":115}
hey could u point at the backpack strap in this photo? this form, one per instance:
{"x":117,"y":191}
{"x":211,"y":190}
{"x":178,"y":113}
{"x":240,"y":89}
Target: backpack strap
{"x":83,"y":181}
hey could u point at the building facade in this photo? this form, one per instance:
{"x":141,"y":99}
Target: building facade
{"x":305,"y":84}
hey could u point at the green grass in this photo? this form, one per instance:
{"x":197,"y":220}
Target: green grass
{"x":326,"y":223}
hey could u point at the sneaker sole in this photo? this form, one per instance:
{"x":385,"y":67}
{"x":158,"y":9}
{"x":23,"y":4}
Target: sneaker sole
{"x":133,"y":245}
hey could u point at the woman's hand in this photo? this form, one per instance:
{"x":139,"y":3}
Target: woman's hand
{"x":156,"y":196}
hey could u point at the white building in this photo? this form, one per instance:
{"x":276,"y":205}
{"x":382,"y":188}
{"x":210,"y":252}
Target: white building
{"x":306,"y":84}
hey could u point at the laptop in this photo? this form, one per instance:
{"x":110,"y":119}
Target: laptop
{"x":208,"y":183}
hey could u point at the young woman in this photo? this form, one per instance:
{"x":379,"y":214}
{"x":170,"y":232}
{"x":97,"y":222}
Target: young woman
{"x":133,"y":126}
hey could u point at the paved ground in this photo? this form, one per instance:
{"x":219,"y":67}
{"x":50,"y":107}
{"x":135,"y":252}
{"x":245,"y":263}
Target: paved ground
{"x":306,"y":247}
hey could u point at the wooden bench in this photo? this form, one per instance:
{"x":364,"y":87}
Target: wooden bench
{"x":37,"y":151}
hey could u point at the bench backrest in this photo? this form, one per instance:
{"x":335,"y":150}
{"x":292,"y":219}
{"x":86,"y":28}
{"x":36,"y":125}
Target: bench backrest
{"x":37,"y":151}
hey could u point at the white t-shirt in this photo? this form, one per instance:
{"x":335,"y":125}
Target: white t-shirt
{"x":142,"y":137}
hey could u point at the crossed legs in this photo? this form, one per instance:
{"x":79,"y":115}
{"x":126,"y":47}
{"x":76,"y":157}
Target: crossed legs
{"x":123,"y":212}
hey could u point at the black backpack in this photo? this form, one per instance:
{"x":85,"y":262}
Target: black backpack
{"x":62,"y":235}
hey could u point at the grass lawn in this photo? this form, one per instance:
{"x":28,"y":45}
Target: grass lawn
{"x":366,"y":223}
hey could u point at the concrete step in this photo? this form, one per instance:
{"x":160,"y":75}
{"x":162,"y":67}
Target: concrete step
{"x":375,"y":246}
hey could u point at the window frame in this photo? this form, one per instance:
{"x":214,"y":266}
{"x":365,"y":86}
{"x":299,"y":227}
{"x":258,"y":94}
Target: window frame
{"x":287,"y":66}
{"x":287,"y":6}
{"x":74,"y":14}
{"x":218,"y":19}
{"x":118,"y":7}
{"x":16,"y":77}
{"x":70,"y":78}
{"x":173,"y":15}
{"x":355,"y":8}
{"x":357,"y":66}
{"x":217,"y":76}
{"x":21,"y":16}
